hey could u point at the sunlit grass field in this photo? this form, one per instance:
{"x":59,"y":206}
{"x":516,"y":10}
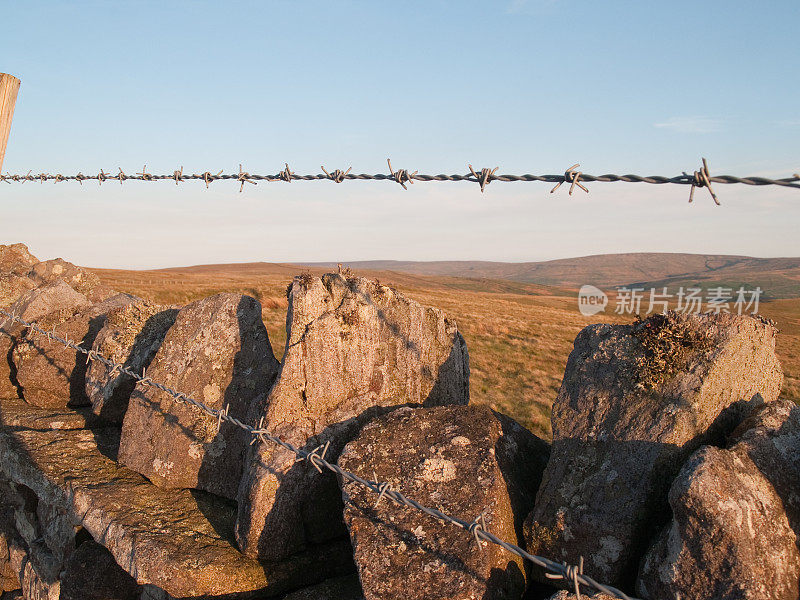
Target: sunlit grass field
{"x":519,"y":335}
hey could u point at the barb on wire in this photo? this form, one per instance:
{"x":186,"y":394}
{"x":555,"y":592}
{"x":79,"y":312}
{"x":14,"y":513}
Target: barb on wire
{"x":401,"y":176}
{"x":178,"y":176}
{"x":286,"y":174}
{"x":702,"y":178}
{"x":244,"y":178}
{"x":485,"y":178}
{"x":144,"y":174}
{"x":337,"y":176}
{"x":572,"y":176}
{"x":477,"y":527}
{"x":570,"y":575}
{"x":208,"y":177}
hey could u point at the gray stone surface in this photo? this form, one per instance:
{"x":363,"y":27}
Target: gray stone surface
{"x":56,"y":297}
{"x":635,"y":401}
{"x":176,"y":540}
{"x":354,"y":347}
{"x":83,"y":281}
{"x":131,"y":337}
{"x":729,"y":538}
{"x":770,"y":437}
{"x":218,"y":352}
{"x":51,"y":375}
{"x":463,"y":460}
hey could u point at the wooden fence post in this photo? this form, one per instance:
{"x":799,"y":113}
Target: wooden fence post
{"x":9,"y":86}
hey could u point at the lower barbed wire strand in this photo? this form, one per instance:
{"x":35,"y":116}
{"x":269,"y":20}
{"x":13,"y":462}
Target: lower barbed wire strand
{"x":313,"y":457}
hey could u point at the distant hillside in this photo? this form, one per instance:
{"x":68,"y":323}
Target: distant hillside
{"x":778,"y":277}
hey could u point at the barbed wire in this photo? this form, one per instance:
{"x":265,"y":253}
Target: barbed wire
{"x":572,"y":574}
{"x":699,"y":179}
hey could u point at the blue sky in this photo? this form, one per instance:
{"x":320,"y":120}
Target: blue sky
{"x":529,"y":86}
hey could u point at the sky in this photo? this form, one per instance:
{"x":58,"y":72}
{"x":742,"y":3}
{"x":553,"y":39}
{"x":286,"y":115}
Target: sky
{"x":529,"y":86}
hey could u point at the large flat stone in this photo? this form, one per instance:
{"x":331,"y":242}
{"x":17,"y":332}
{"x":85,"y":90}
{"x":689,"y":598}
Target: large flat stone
{"x":177,"y":540}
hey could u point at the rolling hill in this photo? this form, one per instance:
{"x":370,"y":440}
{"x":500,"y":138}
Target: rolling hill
{"x":778,"y":277}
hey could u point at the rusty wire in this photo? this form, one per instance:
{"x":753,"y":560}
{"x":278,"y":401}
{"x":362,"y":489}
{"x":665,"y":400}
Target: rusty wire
{"x":477,"y":527}
{"x":701,"y":178}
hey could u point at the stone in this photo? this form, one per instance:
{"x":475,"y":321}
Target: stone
{"x":51,"y":375}
{"x":18,"y":415}
{"x":16,"y":259}
{"x":131,"y":337}
{"x":9,"y":538}
{"x":729,"y":538}
{"x":636,"y":400}
{"x":462,"y":460}
{"x":15,"y":263}
{"x":55,"y":297}
{"x":355,"y":348}
{"x":83,"y":281}
{"x":37,"y":587}
{"x":92,"y":574}
{"x":12,"y":287}
{"x":178,"y":540}
{"x":217,"y":352}
{"x":339,"y":588}
{"x":770,"y":437}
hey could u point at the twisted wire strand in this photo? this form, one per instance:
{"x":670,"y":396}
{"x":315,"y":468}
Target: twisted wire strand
{"x":317,"y":459}
{"x":338,"y":176}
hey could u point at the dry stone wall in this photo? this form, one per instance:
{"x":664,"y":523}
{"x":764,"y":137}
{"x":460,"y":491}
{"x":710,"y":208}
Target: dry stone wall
{"x":673,"y":471}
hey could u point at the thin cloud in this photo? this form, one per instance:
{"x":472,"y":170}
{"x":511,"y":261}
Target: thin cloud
{"x":691,"y":124}
{"x":789,"y":123}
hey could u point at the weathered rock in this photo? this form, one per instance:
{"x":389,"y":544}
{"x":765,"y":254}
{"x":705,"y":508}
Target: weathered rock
{"x":12,"y":287}
{"x":339,"y":588}
{"x":51,"y":375}
{"x":16,"y":259}
{"x":83,"y":281}
{"x":218,"y":352}
{"x":131,"y":337}
{"x":56,"y":297}
{"x":770,"y":437}
{"x":635,"y":401}
{"x":354,"y":347}
{"x":729,"y":538}
{"x":9,"y":538}
{"x":92,"y":574}
{"x":36,"y":586}
{"x":176,"y":540}
{"x":15,"y":263}
{"x":463,"y":460}
{"x":19,"y":415}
